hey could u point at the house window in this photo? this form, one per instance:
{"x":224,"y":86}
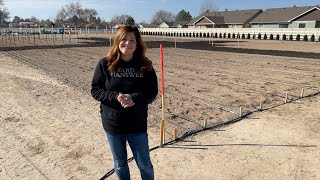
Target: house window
{"x":283,"y":25}
{"x":318,"y":25}
{"x":302,"y":25}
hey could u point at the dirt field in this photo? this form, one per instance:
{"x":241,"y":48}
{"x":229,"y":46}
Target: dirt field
{"x":51,"y":127}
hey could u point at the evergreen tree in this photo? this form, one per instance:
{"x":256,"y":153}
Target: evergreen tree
{"x":183,"y":16}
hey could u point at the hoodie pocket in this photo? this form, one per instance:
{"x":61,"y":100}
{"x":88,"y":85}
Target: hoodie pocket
{"x":110,"y":114}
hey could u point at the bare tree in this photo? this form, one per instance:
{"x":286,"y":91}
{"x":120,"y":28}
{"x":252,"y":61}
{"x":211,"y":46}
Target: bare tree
{"x":162,"y":16}
{"x":74,"y":13}
{"x":34,"y":19}
{"x":122,"y":19}
{"x":90,"y":15}
{"x":4,"y":13}
{"x":208,"y":6}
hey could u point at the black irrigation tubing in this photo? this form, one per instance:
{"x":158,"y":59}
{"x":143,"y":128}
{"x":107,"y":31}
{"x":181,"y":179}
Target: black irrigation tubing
{"x":223,"y":74}
{"x":86,"y":66}
{"x":209,"y":63}
{"x":246,"y":89}
{"x":43,"y":175}
{"x":219,"y":106}
{"x":177,"y":115}
{"x":70,"y":63}
{"x":273,"y":81}
{"x":236,"y":76}
{"x":185,"y":135}
{"x":25,"y":59}
{"x":191,"y":133}
{"x":170,"y":121}
{"x":47,"y":70}
{"x":19,"y":57}
{"x":41,"y":54}
{"x":256,"y":65}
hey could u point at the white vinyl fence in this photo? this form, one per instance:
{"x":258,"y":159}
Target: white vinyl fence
{"x":243,"y":33}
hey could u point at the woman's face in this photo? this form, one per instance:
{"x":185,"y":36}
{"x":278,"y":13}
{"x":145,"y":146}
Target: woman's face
{"x":127,"y":46}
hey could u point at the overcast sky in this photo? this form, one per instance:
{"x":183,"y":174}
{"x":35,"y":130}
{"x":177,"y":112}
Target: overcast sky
{"x":140,"y":10}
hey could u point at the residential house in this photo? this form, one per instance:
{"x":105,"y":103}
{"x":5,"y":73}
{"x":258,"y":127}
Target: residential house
{"x":118,"y":26}
{"x":173,"y":24}
{"x":28,"y":24}
{"x":144,"y":25}
{"x":225,"y":19}
{"x":290,"y":17}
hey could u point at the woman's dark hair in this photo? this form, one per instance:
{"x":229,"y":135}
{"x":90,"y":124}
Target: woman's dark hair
{"x":141,"y":61}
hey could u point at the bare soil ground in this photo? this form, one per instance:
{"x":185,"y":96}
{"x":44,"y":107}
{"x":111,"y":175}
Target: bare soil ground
{"x":50,"y":126}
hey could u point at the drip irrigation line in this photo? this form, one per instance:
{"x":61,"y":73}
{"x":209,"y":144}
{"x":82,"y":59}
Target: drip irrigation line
{"x":235,"y":62}
{"x":246,"y":89}
{"x":190,"y":97}
{"x":184,"y":136}
{"x":43,"y":175}
{"x":171,"y":121}
{"x":193,"y":132}
{"x":237,"y":76}
{"x":31,"y":62}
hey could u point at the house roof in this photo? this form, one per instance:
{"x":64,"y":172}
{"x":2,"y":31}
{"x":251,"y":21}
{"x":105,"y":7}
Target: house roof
{"x":277,"y":15}
{"x":230,"y":17}
{"x":148,"y":25}
{"x":212,"y":19}
{"x":175,"y":23}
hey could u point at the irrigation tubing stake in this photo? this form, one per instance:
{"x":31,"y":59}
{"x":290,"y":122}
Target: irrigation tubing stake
{"x":174,"y":133}
{"x":286,"y":98}
{"x":301,"y":94}
{"x":205,"y":123}
{"x":162,"y":125}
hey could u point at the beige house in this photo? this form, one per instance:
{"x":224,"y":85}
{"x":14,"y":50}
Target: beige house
{"x":173,"y":24}
{"x":225,"y":19}
{"x":291,"y":17}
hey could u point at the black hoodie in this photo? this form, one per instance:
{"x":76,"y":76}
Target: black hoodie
{"x":143,"y":89}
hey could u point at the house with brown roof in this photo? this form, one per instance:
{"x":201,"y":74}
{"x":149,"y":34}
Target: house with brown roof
{"x":225,"y":19}
{"x":290,"y":17}
{"x":173,"y":24}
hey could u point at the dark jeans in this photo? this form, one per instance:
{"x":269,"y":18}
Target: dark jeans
{"x":138,"y":143}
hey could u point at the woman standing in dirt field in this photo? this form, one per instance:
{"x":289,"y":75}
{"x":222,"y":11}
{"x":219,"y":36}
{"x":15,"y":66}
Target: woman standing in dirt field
{"x":125,"y":83}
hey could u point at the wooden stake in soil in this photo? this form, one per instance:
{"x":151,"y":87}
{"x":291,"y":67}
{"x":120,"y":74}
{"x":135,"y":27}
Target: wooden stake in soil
{"x":162,"y":141}
{"x":301,"y":94}
{"x":70,"y":37}
{"x":286,"y":98}
{"x":260,"y":108}
{"x":240,"y":115}
{"x":174,"y":133}
{"x":205,"y":123}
